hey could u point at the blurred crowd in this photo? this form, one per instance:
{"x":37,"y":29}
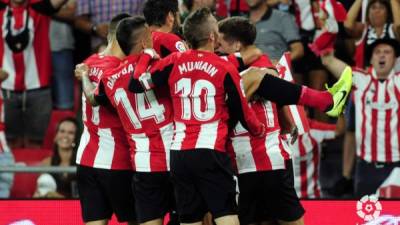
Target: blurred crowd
{"x":43,"y":40}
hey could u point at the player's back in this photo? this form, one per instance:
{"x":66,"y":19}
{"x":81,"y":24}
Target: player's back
{"x":103,"y":143}
{"x":166,"y":43}
{"x":146,"y":118}
{"x":198,"y":95}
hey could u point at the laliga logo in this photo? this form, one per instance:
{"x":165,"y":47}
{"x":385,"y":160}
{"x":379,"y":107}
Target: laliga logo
{"x":369,"y":208}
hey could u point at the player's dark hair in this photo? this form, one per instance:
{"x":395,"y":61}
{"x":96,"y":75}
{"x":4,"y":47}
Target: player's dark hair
{"x":238,"y":29}
{"x":128,"y":32}
{"x":195,"y":28}
{"x":112,"y":27}
{"x":156,"y":11}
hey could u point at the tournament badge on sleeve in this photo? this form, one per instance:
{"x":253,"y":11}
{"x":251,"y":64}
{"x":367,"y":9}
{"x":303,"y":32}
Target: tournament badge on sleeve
{"x":296,"y":112}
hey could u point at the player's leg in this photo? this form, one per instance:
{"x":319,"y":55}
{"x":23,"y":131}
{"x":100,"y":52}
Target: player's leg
{"x":98,"y":222}
{"x":227,"y":220}
{"x":280,"y":197}
{"x":286,"y":93}
{"x":153,"y":195}
{"x":189,"y":204}
{"x":117,"y":185}
{"x":94,"y":204}
{"x":217,"y":185}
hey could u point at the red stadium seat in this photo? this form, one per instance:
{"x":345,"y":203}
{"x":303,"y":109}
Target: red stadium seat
{"x":25,"y":183}
{"x":56,"y":116}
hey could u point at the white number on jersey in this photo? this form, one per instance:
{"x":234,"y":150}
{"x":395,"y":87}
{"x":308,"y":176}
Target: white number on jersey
{"x":191,"y":99}
{"x":154,"y":111}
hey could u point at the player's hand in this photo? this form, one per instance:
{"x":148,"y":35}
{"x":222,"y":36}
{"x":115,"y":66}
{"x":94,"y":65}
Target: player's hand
{"x":152,"y":53}
{"x":81,"y":70}
{"x":262,"y":131}
{"x":294,"y":134}
{"x":3,"y":74}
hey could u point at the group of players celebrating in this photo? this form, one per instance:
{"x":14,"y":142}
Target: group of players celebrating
{"x":170,"y":125}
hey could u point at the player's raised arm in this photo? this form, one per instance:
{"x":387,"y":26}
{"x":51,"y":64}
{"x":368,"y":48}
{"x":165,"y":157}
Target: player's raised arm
{"x":238,"y":105}
{"x":156,"y":77}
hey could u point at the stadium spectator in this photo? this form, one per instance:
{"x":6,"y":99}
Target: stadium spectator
{"x":277,"y":31}
{"x":306,"y":153}
{"x":382,"y":21}
{"x":344,"y":185}
{"x":6,"y":156}
{"x":93,"y":15}
{"x":26,"y":57}
{"x":193,"y":5}
{"x":376,"y":99}
{"x":62,"y":46}
{"x":64,"y":154}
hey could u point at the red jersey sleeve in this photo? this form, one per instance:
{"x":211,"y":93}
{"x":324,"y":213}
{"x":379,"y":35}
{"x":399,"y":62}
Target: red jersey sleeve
{"x":238,"y":105}
{"x":158,"y":75}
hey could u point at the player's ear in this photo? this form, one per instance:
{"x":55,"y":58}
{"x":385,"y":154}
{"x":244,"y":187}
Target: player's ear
{"x":237,"y":45}
{"x":170,"y":19}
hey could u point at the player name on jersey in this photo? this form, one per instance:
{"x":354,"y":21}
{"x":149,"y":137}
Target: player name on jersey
{"x":198,"y":65}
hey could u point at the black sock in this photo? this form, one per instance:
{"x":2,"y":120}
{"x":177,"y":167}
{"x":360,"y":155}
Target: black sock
{"x":280,"y":91}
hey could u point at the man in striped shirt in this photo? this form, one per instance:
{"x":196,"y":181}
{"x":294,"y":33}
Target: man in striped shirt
{"x":377,"y":98}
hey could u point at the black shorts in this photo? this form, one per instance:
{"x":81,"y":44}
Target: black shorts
{"x":103,"y":192}
{"x":204,"y":182}
{"x":154,"y":195}
{"x":268,"y":195}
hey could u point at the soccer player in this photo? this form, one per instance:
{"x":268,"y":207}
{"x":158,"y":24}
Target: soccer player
{"x":163,"y":18}
{"x":273,"y":88}
{"x":376,"y":99}
{"x":104,"y":170}
{"x":199,"y":80}
{"x":260,"y":162}
{"x":147,"y":122}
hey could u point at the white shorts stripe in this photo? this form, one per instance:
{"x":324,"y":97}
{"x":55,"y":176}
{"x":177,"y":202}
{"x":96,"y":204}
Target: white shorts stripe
{"x":167,"y":133}
{"x":85,"y":137}
{"x":105,"y":154}
{"x":207,"y":135}
{"x":274,"y":151}
{"x":142,"y":156}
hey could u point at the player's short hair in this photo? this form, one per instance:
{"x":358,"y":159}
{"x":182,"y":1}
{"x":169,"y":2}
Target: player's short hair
{"x":196,"y":29}
{"x":238,"y":29}
{"x":112,"y":27}
{"x":128,"y":32}
{"x":156,"y":11}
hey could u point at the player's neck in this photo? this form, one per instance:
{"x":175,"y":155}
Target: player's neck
{"x":113,"y":49}
{"x":164,"y":29}
{"x":209,"y":47}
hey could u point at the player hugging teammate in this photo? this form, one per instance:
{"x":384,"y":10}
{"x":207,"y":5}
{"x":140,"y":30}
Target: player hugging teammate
{"x":183,"y":112}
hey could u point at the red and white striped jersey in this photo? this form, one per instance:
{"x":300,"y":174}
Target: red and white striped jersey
{"x":103,"y":143}
{"x":377,"y":116}
{"x":311,"y":141}
{"x":199,"y":82}
{"x":305,"y":14}
{"x":146,"y":118}
{"x":306,"y":158}
{"x":250,"y":153}
{"x":30,"y":68}
{"x":3,"y":142}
